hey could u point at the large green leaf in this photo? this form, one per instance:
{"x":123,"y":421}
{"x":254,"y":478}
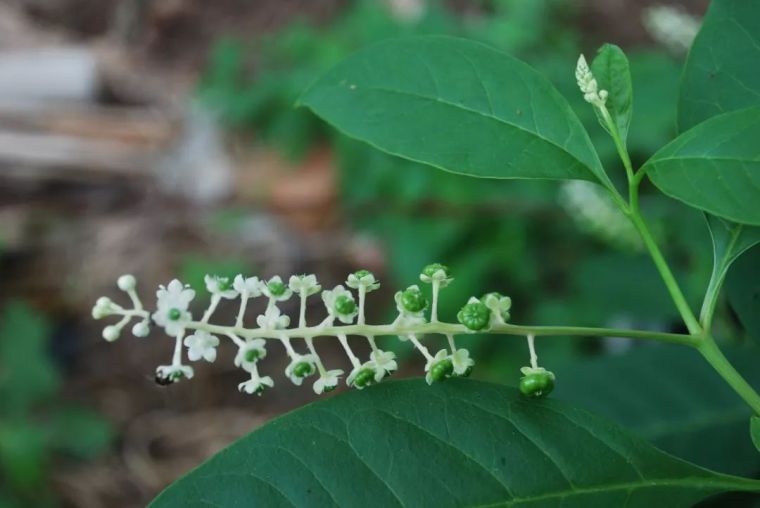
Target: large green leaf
{"x":457,"y":105}
{"x":612,"y":73}
{"x":459,"y":443}
{"x":670,"y":396}
{"x":715,"y":166}
{"x":721,"y":72}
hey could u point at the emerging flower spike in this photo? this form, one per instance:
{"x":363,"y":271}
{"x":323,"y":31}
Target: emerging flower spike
{"x":201,"y":339}
{"x":587,"y":84}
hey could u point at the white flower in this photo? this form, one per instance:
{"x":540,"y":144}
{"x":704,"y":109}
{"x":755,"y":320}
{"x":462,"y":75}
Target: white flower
{"x":499,"y":306}
{"x":272,"y":320}
{"x":257,"y":384}
{"x":327,"y":381}
{"x":588,"y":85}
{"x":362,"y":278}
{"x":438,"y":367}
{"x":103,"y":307}
{"x":340,"y":303}
{"x":249,"y":286}
{"x":220,"y":286}
{"x":301,"y":366}
{"x":201,"y":344}
{"x":304,"y":284}
{"x":173,"y":301}
{"x":251,"y":352}
{"x":461,"y":362}
{"x":167,"y":374}
{"x":384,"y":363}
{"x":276,"y":290}
{"x":363,"y":375}
{"x":436,"y":272}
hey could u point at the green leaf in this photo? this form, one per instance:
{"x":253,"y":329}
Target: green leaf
{"x":457,"y":443}
{"x":721,"y":71}
{"x":754,"y":425}
{"x":715,"y":166}
{"x":672,"y":398}
{"x":743,"y":291}
{"x":457,"y":105}
{"x":612,"y":73}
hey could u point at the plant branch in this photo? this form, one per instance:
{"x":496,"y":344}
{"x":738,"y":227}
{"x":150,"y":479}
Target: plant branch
{"x":714,"y":356}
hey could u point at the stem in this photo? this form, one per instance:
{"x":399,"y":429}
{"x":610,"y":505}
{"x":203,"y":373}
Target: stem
{"x":413,"y":338}
{"x":211,"y":308}
{"x":243,"y":303}
{"x":362,"y":297}
{"x":313,"y":351}
{"x":532,"y":350}
{"x":710,"y":351}
{"x":351,"y":356}
{"x":434,"y":306}
{"x":177,"y":357}
{"x":667,"y":276}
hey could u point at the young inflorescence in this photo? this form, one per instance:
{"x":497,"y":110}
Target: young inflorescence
{"x":345,"y":307}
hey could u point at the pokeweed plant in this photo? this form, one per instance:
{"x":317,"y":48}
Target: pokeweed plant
{"x":463,"y":107}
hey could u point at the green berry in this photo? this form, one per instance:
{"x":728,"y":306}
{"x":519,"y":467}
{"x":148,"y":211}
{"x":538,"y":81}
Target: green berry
{"x":251,"y":355}
{"x":412,"y":300}
{"x":224,"y":283}
{"x":176,"y":375}
{"x":441,"y":370}
{"x":537,"y":385}
{"x":303,"y":369}
{"x":467,"y":372}
{"x":328,"y":388}
{"x":475,"y":316}
{"x":364,"y":378}
{"x":276,"y":288}
{"x":433,"y":268}
{"x":361,"y":273}
{"x":345,"y":305}
{"x":174,"y":314}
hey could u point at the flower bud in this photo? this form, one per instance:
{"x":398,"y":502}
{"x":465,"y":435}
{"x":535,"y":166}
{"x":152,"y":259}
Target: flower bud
{"x":126,"y":282}
{"x":111,"y":333}
{"x":141,"y":329}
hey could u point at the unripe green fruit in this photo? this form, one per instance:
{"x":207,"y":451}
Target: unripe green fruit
{"x":467,"y":372}
{"x":365,"y":377}
{"x":251,"y":355}
{"x":361,"y":273}
{"x":276,"y":288}
{"x":412,"y":300}
{"x":345,"y":305}
{"x":174,"y":314}
{"x":224,"y":283}
{"x":329,"y":388}
{"x":303,"y":369}
{"x":475,"y":316}
{"x":432,"y":268}
{"x":537,"y":385}
{"x":441,"y":370}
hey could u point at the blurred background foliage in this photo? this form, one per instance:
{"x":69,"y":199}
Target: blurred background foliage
{"x":558,"y":249}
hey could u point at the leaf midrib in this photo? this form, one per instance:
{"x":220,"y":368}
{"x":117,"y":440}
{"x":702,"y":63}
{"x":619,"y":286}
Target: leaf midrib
{"x":700,"y":481}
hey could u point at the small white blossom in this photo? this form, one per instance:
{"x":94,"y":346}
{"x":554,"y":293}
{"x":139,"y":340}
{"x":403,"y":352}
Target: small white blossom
{"x":363,"y":375}
{"x":173,"y":301}
{"x":384,"y":363}
{"x":251,"y":352}
{"x":362,"y":278}
{"x":272,"y":319}
{"x":276,"y":290}
{"x":126,"y":282}
{"x":340,"y":303}
{"x":304,"y":284}
{"x":462,"y":362}
{"x":220,"y":286}
{"x":166,"y":374}
{"x":249,"y":286}
{"x":327,"y":381}
{"x":301,"y":366}
{"x":441,"y":359}
{"x":499,"y":306}
{"x":588,"y":85}
{"x":201,"y":344}
{"x":257,"y":384}
{"x":438,"y":273}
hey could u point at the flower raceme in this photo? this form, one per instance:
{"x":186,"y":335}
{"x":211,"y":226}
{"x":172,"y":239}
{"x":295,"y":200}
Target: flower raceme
{"x":345,"y":306}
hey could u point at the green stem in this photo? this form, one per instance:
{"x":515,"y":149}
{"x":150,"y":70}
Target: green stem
{"x":667,"y":276}
{"x":714,"y":356}
{"x":444,"y":329}
{"x":720,"y":269}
